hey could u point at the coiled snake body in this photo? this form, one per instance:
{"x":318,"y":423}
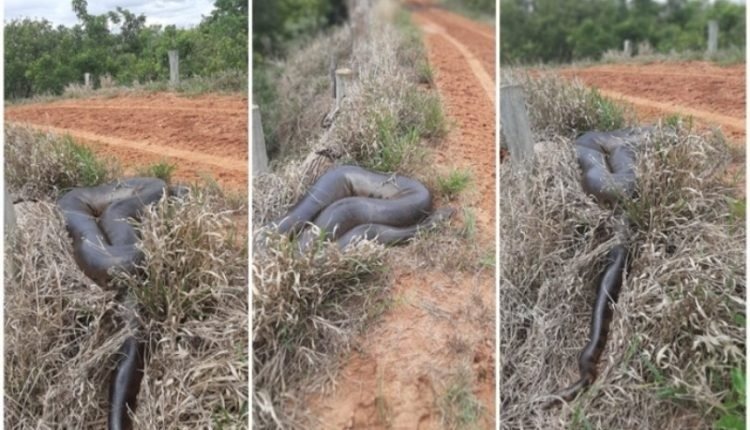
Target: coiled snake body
{"x":348,"y":202}
{"x":96,"y":218}
{"x":607,"y":161}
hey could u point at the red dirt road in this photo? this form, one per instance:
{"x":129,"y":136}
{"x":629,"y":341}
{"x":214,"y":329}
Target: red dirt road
{"x":711,"y":94}
{"x":199,"y":135}
{"x":441,"y":324}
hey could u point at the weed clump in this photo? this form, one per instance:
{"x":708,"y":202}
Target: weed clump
{"x":558,"y":107}
{"x":162,"y":170}
{"x":39,"y":164}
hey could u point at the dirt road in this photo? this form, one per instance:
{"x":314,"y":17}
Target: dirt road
{"x":711,"y":94}
{"x":200,"y":135}
{"x":440,"y":330}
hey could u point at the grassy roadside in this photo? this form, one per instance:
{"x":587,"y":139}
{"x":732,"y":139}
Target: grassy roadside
{"x":723,"y":58}
{"x":675,"y":354}
{"x":228,"y":82}
{"x":191,"y":293}
{"x":303,"y":308}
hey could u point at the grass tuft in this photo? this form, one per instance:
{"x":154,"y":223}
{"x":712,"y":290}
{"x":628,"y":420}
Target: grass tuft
{"x":162,"y":170}
{"x":454,"y":183}
{"x":459,"y":408}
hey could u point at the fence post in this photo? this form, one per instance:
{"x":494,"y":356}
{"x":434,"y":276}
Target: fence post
{"x":514,"y":126}
{"x":343,"y":82}
{"x":10,"y":228}
{"x":87,"y":80}
{"x":713,"y":36}
{"x":260,"y":156}
{"x":627,"y":48}
{"x":174,"y":67}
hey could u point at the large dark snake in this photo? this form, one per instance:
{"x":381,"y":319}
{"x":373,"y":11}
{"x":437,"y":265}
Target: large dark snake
{"x":103,"y":242}
{"x":349,"y":202}
{"x":607,"y":161}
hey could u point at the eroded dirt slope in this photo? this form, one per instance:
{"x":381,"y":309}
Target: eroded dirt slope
{"x":204,"y":134}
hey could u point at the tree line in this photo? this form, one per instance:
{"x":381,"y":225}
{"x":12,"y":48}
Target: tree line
{"x":42,"y":59}
{"x":565,"y":30}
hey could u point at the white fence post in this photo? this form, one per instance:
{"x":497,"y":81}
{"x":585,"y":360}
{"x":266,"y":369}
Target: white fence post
{"x":174,"y":67}
{"x":343,"y":82}
{"x":87,"y":80}
{"x":515,"y":127}
{"x":10,"y":228}
{"x":713,"y":36}
{"x":260,"y":156}
{"x":627,"y":48}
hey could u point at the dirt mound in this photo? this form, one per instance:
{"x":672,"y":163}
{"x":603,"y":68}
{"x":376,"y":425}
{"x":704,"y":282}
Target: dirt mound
{"x":204,"y":134}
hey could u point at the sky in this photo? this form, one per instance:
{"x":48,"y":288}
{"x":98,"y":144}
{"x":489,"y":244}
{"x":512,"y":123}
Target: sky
{"x":182,"y":13}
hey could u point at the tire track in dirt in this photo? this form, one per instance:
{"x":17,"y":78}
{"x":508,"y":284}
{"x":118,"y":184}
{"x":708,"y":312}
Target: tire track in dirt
{"x":199,"y":135}
{"x":644,"y":105}
{"x":441,"y":323}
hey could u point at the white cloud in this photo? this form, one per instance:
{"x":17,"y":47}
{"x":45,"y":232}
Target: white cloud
{"x":183,"y":13}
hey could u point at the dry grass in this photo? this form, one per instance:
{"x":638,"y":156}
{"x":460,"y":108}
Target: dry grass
{"x":558,"y":107}
{"x":304,"y":92}
{"x":62,"y":330}
{"x":678,"y":329}
{"x":306,"y":311}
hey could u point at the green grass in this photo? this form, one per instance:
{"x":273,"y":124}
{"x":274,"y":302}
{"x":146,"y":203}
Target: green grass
{"x":488,"y":260}
{"x":79,"y":158}
{"x":470,"y":224}
{"x":733,"y":414}
{"x":483,"y":10}
{"x":425,"y":73}
{"x":609,"y":115}
{"x":396,"y":146}
{"x":580,"y":421}
{"x":428,"y":116}
{"x":162,"y":170}
{"x":454,"y":183}
{"x":459,"y":408}
{"x":678,"y":121}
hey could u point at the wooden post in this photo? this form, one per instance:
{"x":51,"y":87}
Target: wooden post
{"x":87,"y":80}
{"x":260,"y":156}
{"x":174,"y":67}
{"x":343,"y":81}
{"x":627,"y":48}
{"x":713,"y":36}
{"x":514,"y":126}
